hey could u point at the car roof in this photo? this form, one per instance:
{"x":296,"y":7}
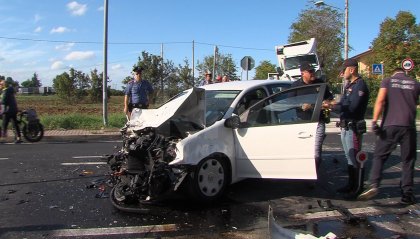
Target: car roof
{"x":241,"y":85}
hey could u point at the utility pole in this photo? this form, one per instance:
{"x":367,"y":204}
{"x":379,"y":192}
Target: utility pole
{"x":193,"y":63}
{"x":346,"y":29}
{"x":161,"y":79}
{"x":105,"y":74}
{"x":214,"y":63}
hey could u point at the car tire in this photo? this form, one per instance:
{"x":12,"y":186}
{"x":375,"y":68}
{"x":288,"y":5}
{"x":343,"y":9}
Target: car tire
{"x":209,"y":180}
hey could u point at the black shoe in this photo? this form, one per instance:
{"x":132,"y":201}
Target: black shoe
{"x":408,"y":199}
{"x":18,"y":141}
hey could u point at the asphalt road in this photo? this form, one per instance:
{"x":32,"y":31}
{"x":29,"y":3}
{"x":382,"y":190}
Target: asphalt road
{"x":50,"y":190}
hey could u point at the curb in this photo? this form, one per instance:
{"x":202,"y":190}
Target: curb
{"x":79,"y":138}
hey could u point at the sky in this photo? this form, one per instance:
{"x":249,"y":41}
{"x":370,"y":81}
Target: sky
{"x":48,"y":37}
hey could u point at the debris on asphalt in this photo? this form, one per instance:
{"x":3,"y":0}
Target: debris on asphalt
{"x":276,"y":231}
{"x":86,"y":172}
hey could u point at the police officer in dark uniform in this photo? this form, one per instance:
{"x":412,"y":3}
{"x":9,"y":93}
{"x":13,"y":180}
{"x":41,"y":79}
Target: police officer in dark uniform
{"x":398,"y":99}
{"x":352,"y":108}
{"x":308,"y":77}
{"x":137,"y":92}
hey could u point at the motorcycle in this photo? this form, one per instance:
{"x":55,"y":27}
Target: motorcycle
{"x":30,"y":126}
{"x":140,"y":170}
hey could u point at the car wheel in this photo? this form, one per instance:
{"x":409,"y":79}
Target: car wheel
{"x":209,"y":180}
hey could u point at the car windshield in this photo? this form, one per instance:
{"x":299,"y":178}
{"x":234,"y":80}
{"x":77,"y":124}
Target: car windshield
{"x":217,"y":103}
{"x":294,"y":62}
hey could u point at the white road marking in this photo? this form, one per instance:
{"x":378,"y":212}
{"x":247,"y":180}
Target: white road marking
{"x":4,"y":158}
{"x":83,"y":163}
{"x":87,"y":157}
{"x":112,"y":231}
{"x":370,"y":211}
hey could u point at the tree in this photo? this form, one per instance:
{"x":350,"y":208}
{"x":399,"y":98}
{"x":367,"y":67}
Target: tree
{"x":398,"y":39}
{"x":326,"y":25}
{"x":64,"y":87}
{"x":81,"y":83}
{"x":95,"y":92}
{"x":225,"y":66}
{"x":265,"y":67}
{"x":33,"y":82}
{"x":184,"y":74}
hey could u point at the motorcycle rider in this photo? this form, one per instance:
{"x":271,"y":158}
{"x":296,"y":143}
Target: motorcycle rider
{"x":10,"y":110}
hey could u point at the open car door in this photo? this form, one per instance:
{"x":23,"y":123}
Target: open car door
{"x":276,"y":136}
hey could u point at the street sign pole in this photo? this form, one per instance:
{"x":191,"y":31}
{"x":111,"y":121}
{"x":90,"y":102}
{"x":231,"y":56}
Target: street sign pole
{"x":247,"y":63}
{"x":247,"y":67}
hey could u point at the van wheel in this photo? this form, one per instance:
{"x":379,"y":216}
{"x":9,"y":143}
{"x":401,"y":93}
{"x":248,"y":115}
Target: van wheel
{"x":209,"y":181}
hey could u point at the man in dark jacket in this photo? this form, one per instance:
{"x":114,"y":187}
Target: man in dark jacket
{"x":10,"y":110}
{"x":352,"y":108}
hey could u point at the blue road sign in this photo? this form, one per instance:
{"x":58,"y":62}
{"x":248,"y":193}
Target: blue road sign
{"x":377,"y":69}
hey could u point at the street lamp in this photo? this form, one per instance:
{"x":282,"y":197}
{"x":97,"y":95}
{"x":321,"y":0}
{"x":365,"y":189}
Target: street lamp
{"x":346,"y":24}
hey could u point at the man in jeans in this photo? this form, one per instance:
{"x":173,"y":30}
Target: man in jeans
{"x":308,"y":77}
{"x":397,"y":99}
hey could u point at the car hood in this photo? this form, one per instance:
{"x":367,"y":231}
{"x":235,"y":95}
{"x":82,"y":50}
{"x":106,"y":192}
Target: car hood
{"x":179,"y":117}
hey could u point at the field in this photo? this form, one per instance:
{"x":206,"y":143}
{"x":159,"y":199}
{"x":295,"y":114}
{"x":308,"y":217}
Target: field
{"x":55,"y":114}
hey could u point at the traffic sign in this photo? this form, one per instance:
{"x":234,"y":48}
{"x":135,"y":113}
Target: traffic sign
{"x":407,"y":64}
{"x":247,"y":63}
{"x":378,"y":69}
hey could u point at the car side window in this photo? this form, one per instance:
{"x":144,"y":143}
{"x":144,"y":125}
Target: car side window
{"x":249,"y":99}
{"x":277,"y":88}
{"x":291,"y":107}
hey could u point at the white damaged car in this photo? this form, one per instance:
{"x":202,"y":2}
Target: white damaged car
{"x":210,"y":137}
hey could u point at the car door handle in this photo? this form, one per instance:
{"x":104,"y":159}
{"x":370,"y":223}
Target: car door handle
{"x":304,"y":135}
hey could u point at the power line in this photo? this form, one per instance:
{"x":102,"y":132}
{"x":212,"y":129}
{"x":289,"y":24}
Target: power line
{"x":132,"y":43}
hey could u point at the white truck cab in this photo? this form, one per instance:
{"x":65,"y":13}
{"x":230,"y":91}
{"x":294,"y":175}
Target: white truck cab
{"x":290,"y":56}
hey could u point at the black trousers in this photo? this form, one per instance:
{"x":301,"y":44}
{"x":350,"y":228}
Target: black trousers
{"x":385,"y":144}
{"x":6,"y":119}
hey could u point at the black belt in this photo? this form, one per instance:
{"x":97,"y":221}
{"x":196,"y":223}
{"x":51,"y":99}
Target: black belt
{"x":138,"y":105}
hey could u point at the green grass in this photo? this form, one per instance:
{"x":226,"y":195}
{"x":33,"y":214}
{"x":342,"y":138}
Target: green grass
{"x":81,"y":121}
{"x":56,"y":114}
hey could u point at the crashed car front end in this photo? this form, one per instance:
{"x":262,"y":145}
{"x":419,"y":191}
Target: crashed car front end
{"x":143,"y":169}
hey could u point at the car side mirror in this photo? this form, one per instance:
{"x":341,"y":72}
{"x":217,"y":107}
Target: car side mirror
{"x":233,"y":122}
{"x":279,"y":71}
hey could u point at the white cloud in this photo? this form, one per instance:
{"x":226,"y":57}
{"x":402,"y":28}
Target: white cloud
{"x":37,"y":18}
{"x":76,"y":8}
{"x":38,"y":29}
{"x":116,"y":67}
{"x":65,"y":47}
{"x":57,"y":65}
{"x":79,"y":55}
{"x":59,"y":30}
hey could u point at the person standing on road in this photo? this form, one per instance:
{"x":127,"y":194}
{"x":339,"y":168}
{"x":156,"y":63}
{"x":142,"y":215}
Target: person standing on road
{"x":352,"y":108}
{"x":308,"y":77}
{"x":397,"y":98}
{"x":137,"y":92}
{"x":10,"y":110}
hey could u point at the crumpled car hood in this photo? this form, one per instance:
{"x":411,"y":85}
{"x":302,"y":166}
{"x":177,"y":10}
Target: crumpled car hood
{"x":178,"y":117}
